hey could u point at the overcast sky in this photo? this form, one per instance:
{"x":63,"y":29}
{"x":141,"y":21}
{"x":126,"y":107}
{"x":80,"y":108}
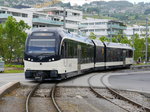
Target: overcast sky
{"x":80,"y":2}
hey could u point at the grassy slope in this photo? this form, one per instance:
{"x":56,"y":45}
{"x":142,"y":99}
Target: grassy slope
{"x":13,"y":68}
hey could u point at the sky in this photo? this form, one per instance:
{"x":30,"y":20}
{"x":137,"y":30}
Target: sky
{"x":80,"y":2}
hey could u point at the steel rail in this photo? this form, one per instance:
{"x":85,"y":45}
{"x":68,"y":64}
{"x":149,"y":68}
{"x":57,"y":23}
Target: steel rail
{"x":53,"y":98}
{"x":147,"y":109}
{"x":29,"y":96}
{"x":101,"y":96}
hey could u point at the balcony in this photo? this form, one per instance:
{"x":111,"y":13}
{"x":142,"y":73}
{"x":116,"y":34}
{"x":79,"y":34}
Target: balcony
{"x":112,"y":33}
{"x":46,"y":21}
{"x":4,"y":16}
{"x":117,"y":27}
{"x":82,"y":26}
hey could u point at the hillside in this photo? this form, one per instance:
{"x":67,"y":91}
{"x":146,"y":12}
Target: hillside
{"x":122,"y":10}
{"x":12,"y":3}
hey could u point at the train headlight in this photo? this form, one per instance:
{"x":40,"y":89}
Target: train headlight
{"x":29,"y":59}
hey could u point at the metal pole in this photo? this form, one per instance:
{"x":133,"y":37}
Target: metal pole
{"x":78,"y":29}
{"x":111,"y":32}
{"x":133,"y":42}
{"x":64,"y":18}
{"x":146,"y":52}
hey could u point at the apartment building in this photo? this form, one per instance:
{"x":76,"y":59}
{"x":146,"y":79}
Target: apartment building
{"x":103,"y":27}
{"x":72,"y":17}
{"x":46,"y":17}
{"x":140,"y":30}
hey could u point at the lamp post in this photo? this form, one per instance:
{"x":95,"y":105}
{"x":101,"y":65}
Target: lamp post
{"x":146,"y":51}
{"x":133,"y":42}
{"x":64,"y":17}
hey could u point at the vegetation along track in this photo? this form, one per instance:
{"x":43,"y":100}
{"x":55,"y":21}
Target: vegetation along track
{"x":128,"y":105}
{"x":52,"y":95}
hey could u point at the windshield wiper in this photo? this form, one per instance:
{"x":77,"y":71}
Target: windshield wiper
{"x":47,"y":54}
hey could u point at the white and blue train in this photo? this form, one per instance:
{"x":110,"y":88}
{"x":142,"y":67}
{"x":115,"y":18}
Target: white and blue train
{"x":54,"y":54}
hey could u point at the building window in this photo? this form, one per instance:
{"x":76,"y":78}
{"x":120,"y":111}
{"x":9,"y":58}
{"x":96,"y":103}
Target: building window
{"x":100,"y":30}
{"x":98,"y":23}
{"x":15,"y":14}
{"x":24,"y":15}
{"x":91,"y":23}
{"x":35,"y":26}
{"x":136,"y":29}
{"x":71,"y":22}
{"x":8,"y":12}
{"x":97,"y":30}
{"x":35,"y":16}
{"x":84,"y":23}
{"x":2,"y":12}
{"x":92,"y":30}
{"x":75,"y":14}
{"x":71,"y":30}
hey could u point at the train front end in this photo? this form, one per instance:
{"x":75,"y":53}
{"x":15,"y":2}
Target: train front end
{"x":41,"y":58}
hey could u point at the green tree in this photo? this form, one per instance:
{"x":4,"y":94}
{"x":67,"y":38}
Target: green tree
{"x":14,"y":37}
{"x":104,"y":39}
{"x":92,"y":36}
{"x":21,"y":38}
{"x":121,"y":39}
{"x":125,"y":40}
{"x":1,"y":41}
{"x":139,"y":47}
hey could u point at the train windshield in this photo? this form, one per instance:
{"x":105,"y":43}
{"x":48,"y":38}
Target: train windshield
{"x":41,"y":45}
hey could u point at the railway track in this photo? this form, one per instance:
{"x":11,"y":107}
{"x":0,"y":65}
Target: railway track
{"x":52,"y":95}
{"x":136,"y":106}
{"x":53,"y":98}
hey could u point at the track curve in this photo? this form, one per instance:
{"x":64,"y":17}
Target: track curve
{"x":147,"y":109}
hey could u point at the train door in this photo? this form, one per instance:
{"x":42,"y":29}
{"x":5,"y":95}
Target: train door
{"x":124,"y":57}
{"x":79,"y":58}
{"x":64,"y":54}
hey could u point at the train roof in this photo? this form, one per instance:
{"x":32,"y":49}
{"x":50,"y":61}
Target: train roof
{"x":98,"y":42}
{"x":117,"y":45}
{"x":78,"y":38}
{"x":65,"y":34}
{"x":47,"y":29}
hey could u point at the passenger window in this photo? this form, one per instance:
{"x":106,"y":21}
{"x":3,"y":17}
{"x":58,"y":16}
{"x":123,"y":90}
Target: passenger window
{"x":62,"y":51}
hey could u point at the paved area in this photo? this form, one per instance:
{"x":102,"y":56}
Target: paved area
{"x":82,"y":81}
{"x":137,"y":81}
{"x":12,"y":77}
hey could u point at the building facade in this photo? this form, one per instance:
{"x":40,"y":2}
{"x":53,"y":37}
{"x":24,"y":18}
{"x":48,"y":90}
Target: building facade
{"x":70,"y":18}
{"x":140,"y":30}
{"x":47,"y":17}
{"x":103,"y":27}
{"x":32,"y":18}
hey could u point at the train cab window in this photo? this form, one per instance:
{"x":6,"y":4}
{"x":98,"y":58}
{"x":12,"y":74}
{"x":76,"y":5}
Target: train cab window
{"x":130,"y":53}
{"x":42,"y":42}
{"x":41,"y":45}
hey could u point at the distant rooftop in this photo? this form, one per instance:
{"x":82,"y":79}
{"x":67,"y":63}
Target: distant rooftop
{"x":21,"y":7}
